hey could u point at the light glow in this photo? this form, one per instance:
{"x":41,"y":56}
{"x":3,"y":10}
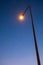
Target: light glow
{"x":21,"y":17}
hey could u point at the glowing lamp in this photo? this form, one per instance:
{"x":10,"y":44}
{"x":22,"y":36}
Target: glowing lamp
{"x":21,"y":17}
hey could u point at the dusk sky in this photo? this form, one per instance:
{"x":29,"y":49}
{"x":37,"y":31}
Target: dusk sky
{"x":16,"y":38}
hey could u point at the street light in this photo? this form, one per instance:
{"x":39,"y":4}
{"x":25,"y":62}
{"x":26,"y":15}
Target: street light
{"x":34,"y":35}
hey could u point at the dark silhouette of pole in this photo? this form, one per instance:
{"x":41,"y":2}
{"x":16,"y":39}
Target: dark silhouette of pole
{"x":34,"y":35}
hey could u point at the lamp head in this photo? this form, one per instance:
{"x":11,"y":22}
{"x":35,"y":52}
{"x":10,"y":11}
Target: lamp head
{"x":21,"y":17}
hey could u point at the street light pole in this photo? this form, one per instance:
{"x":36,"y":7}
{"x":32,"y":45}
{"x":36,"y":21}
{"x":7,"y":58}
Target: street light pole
{"x":34,"y":35}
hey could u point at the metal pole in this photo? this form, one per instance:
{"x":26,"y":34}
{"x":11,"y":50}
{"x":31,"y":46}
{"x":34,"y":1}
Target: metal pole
{"x":34,"y":35}
{"x":36,"y":47}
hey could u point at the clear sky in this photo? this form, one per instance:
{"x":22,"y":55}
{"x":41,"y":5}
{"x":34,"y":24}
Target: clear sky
{"x":16,"y":38}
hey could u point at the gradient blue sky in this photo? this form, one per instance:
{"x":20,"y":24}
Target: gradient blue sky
{"x":16,"y":38}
